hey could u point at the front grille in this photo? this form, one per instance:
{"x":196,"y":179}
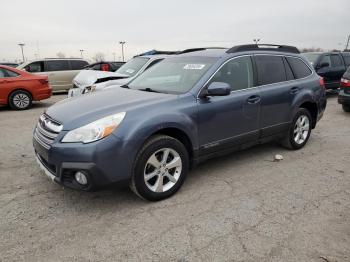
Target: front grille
{"x":46,"y":131}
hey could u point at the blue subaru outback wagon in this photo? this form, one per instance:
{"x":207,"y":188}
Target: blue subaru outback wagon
{"x":183,"y":110}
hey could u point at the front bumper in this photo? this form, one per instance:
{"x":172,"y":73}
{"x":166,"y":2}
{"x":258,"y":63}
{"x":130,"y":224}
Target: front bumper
{"x":105,"y":162}
{"x":344,"y":98}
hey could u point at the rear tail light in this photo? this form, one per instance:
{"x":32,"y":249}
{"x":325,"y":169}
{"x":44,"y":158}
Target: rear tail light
{"x":321,"y":81}
{"x":44,"y":81}
{"x":345,"y":82}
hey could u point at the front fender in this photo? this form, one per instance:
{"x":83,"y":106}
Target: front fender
{"x":142,"y":130}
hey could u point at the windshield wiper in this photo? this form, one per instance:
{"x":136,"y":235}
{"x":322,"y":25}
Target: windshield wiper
{"x":149,"y":90}
{"x":125,"y":86}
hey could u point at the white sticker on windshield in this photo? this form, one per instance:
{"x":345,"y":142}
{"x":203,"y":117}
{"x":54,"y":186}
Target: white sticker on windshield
{"x":194,"y":66}
{"x":130,"y":71}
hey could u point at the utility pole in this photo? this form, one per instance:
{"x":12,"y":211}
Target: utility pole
{"x":122,"y":43}
{"x":256,"y":40}
{"x":347,"y":44}
{"x":22,"y":45}
{"x":81,"y":52}
{"x":113,"y":57}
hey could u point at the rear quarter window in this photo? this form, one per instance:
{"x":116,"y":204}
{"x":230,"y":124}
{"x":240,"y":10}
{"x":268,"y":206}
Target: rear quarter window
{"x":270,"y":69}
{"x":336,"y":61}
{"x":347,"y":59}
{"x":299,"y":68}
{"x":4,"y":73}
{"x":347,"y":73}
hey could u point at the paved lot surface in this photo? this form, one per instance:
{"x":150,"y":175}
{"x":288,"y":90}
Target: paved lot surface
{"x":242,"y":207}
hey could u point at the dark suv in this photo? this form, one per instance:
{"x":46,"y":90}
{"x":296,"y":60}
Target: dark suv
{"x":331,"y":66}
{"x":181,"y":111}
{"x":344,"y":93}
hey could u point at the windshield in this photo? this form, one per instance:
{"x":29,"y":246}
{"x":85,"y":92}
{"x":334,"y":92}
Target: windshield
{"x":173,"y":75}
{"x":312,"y":57}
{"x":133,"y":66}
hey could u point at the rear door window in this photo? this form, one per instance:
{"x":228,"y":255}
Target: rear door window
{"x":299,"y":68}
{"x":336,"y":61}
{"x":77,"y":64}
{"x":270,"y":69}
{"x":57,"y":65}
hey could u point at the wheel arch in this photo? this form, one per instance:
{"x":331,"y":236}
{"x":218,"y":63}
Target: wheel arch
{"x":180,"y":135}
{"x":313,"y":109}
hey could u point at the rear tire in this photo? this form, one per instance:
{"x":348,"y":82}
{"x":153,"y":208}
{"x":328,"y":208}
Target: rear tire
{"x":160,"y":168}
{"x":346,"y":108}
{"x":20,"y":100}
{"x":299,"y":131}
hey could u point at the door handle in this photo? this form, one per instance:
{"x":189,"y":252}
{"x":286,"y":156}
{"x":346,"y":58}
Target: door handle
{"x":294,"y":90}
{"x":253,"y":99}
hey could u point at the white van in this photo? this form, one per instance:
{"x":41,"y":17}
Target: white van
{"x":60,"y":71}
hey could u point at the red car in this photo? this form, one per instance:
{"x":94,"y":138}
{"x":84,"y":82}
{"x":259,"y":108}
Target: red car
{"x":19,"y":88}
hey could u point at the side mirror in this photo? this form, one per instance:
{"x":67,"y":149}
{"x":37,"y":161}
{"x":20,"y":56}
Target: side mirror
{"x":218,"y":89}
{"x":325,"y":64}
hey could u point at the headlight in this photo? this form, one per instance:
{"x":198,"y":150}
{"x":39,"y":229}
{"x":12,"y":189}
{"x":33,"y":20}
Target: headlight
{"x":90,"y":89}
{"x":95,"y":130}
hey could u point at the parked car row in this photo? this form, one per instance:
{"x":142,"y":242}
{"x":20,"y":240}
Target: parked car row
{"x":330,"y":65}
{"x":344,"y":93}
{"x":86,"y":81}
{"x":184,"y":109}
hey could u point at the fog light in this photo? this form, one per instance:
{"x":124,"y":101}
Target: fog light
{"x":81,"y":178}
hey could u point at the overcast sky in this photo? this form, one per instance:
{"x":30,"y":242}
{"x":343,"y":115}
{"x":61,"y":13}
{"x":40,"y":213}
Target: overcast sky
{"x":51,"y":26}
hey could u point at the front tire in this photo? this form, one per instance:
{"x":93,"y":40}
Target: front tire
{"x":20,"y":100}
{"x":299,"y":131}
{"x":346,"y":108}
{"x":160,"y":168}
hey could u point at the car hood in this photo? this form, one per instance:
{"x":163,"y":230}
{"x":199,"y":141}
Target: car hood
{"x":89,"y":77}
{"x":78,"y":111}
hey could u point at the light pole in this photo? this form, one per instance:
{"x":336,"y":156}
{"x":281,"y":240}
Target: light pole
{"x":22,"y":45}
{"x":347,"y":44}
{"x":256,"y":40}
{"x":113,"y":57}
{"x":81,"y":52}
{"x":122,"y":43}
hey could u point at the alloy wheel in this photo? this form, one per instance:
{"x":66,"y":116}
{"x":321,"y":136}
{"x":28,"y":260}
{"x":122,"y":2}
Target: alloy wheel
{"x":163,"y":170}
{"x":21,"y":100}
{"x":301,"y":129}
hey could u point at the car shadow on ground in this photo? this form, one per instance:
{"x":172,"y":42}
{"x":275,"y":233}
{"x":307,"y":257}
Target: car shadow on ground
{"x":118,"y":198}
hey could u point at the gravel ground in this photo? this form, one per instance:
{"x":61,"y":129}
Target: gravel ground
{"x":242,"y":207}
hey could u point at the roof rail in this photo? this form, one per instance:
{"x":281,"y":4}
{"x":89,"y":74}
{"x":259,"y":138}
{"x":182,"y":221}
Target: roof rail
{"x":157,"y":52}
{"x":264,"y":47}
{"x":190,"y":50}
{"x":63,"y":58}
